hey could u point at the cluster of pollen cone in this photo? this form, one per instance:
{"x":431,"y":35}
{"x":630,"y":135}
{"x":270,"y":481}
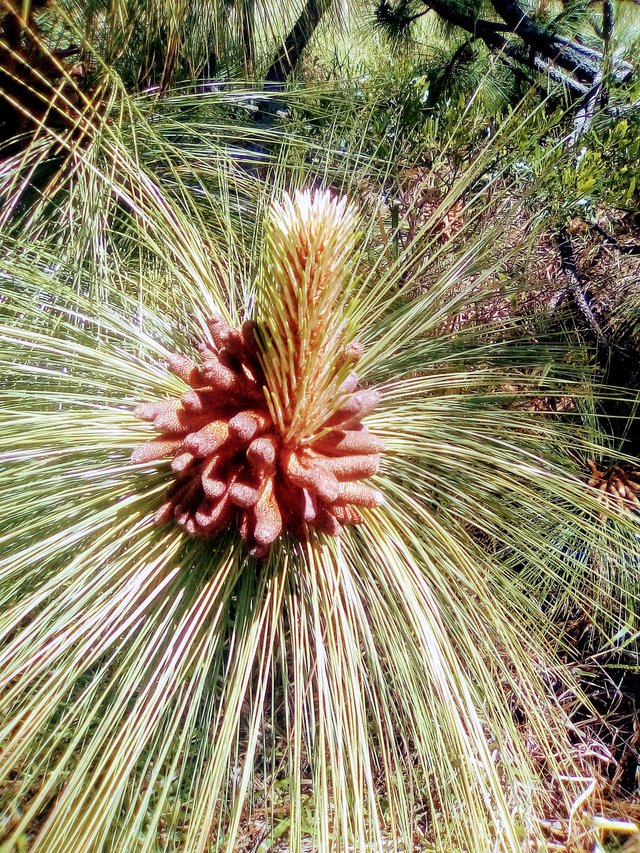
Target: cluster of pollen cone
{"x":234,"y":466}
{"x":618,"y":487}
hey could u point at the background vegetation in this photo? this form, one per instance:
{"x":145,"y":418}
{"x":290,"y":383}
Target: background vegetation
{"x":459,"y":672}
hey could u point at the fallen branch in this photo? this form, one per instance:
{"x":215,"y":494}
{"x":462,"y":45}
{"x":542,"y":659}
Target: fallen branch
{"x":629,"y":249}
{"x":576,"y":289}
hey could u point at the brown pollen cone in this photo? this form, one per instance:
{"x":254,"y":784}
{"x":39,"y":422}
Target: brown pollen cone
{"x":619,"y":486}
{"x":231,"y":464}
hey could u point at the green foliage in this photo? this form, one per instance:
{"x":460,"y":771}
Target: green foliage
{"x":398,"y":685}
{"x":607,"y":173}
{"x":148,"y":677}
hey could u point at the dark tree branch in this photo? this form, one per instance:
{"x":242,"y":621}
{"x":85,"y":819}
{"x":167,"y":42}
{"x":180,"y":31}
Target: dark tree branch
{"x":478,"y":27}
{"x":570,"y":55}
{"x":623,"y":109}
{"x":570,"y":63}
{"x":546,"y":68}
{"x":491,"y":34}
{"x":296,"y":41}
{"x":247,"y":17}
{"x":607,"y":21}
{"x":426,"y":12}
{"x":585,"y":113}
{"x":285,"y":62}
{"x":64,"y":52}
{"x":575,"y":288}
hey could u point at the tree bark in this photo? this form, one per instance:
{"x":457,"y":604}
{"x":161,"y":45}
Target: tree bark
{"x":298,"y":38}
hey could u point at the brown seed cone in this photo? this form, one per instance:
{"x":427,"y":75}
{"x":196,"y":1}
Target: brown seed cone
{"x":231,"y":464}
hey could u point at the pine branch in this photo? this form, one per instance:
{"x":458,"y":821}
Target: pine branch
{"x":570,"y":55}
{"x":565,"y":61}
{"x":491,"y":34}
